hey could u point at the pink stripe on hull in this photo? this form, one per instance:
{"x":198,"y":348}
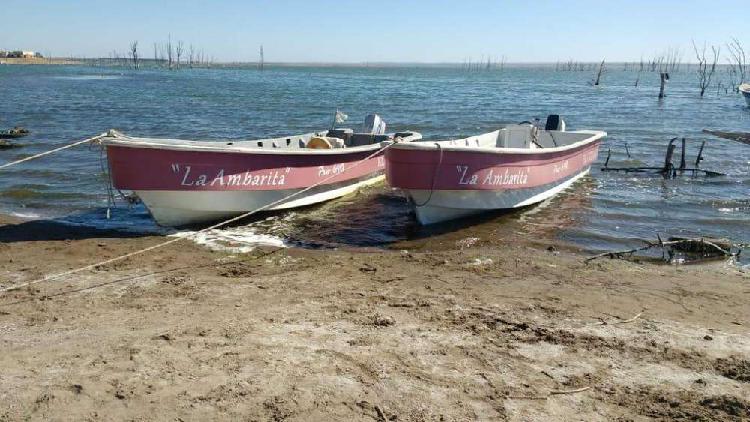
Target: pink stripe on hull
{"x":475,"y":170}
{"x":161,"y":169}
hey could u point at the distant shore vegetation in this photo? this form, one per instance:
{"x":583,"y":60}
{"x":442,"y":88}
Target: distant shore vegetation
{"x":720,"y":67}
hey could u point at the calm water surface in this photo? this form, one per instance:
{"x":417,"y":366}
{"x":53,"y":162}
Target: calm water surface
{"x":607,"y":210}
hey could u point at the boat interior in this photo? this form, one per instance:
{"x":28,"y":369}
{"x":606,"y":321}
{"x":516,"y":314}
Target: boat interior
{"x":525,"y":135}
{"x":520,"y":136}
{"x":334,"y":138}
{"x":331,"y":139}
{"x":372,"y":134}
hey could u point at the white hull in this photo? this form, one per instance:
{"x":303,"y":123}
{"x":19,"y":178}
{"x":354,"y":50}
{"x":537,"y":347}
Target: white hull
{"x":181,"y":208}
{"x":745,"y":91}
{"x":446,"y":205}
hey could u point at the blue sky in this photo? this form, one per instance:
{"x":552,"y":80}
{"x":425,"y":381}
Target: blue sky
{"x":387,"y":30}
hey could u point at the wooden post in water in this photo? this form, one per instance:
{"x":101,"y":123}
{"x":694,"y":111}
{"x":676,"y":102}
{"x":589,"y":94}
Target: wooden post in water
{"x":664,"y":76}
{"x":599,"y":74}
{"x":699,"y":158}
{"x":668,"y":167}
{"x":682,"y":156}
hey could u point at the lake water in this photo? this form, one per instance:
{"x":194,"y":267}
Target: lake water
{"x":60,"y":104}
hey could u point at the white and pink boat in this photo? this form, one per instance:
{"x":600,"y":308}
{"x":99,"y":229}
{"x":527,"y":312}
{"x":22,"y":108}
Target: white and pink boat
{"x":187,"y":182}
{"x":512,"y":167}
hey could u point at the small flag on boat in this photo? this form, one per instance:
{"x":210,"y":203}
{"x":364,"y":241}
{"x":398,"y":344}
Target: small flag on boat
{"x":340,"y":117}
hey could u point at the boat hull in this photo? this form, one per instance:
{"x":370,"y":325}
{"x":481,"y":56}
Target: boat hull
{"x":444,"y":185}
{"x":744,"y":89}
{"x":452,"y":205}
{"x":181,"y":208}
{"x":184,"y":187}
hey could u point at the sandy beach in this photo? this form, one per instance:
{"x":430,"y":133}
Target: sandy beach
{"x":432,"y":329}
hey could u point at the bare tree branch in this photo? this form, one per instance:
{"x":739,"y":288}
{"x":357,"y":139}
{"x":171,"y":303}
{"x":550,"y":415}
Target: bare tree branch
{"x":738,"y":67}
{"x":179,"y":50}
{"x":170,"y":52}
{"x":134,"y":54}
{"x":705,"y":70}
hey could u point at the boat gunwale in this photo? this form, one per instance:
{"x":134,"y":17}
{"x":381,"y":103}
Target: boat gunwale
{"x":431,"y":145}
{"x":183,"y":145}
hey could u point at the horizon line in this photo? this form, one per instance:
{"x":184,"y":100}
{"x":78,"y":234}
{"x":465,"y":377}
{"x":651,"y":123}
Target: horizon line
{"x":380,"y":62}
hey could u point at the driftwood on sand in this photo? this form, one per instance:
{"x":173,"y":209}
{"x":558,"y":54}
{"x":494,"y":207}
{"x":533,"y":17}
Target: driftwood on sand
{"x":700,"y":248}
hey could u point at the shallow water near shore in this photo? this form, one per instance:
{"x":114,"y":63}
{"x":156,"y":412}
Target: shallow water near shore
{"x":604,"y":211}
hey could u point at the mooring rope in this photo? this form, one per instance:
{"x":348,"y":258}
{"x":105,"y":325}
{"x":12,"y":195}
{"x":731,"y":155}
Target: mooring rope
{"x":191,"y":235}
{"x":33,"y":157}
{"x":434,"y":177}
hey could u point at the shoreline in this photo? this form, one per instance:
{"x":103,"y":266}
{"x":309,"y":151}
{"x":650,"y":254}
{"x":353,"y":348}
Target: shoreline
{"x":439,"y":327}
{"x":38,"y":61}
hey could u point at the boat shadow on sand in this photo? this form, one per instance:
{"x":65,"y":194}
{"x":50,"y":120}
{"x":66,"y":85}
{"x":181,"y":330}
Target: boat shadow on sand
{"x":87,"y":225}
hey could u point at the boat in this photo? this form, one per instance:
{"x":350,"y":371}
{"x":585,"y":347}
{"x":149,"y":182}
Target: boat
{"x":745,"y":91}
{"x":16,"y":132}
{"x":184,"y":182}
{"x":513,"y":166}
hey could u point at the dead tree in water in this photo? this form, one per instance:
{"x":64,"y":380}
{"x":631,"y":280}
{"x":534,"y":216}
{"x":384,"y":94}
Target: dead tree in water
{"x":738,"y":66}
{"x":170,"y":52}
{"x":664,"y":76}
{"x":705,"y":70}
{"x":134,"y":54}
{"x":599,"y":74}
{"x":261,"y":61}
{"x":191,"y":55}
{"x":178,"y":52}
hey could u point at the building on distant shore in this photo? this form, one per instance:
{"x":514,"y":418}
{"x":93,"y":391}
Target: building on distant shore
{"x":18,"y":54}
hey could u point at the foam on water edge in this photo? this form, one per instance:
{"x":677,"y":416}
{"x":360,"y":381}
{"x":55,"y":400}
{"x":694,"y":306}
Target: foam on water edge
{"x":30,"y":215}
{"x":232,"y":240}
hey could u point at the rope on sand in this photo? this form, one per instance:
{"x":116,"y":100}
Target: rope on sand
{"x":52,"y":151}
{"x":191,"y":235}
{"x":551,"y":393}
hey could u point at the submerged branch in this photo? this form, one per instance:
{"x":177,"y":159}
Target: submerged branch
{"x":706,"y":248}
{"x":741,"y":137}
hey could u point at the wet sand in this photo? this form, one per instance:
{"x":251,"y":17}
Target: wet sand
{"x":489,"y":327}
